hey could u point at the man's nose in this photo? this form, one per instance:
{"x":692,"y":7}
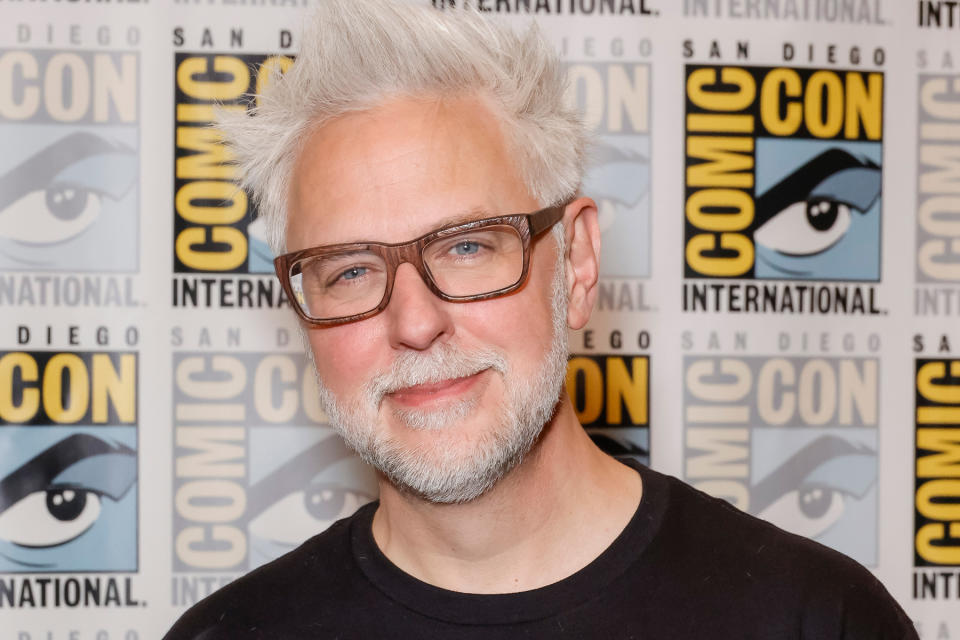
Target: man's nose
{"x":417,"y":318}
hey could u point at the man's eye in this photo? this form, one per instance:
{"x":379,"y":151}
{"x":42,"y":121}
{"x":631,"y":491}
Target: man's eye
{"x":805,"y":228}
{"x":323,"y":275}
{"x":465,"y":248}
{"x":50,"y":518}
{"x":352,"y":273}
{"x":332,"y":277}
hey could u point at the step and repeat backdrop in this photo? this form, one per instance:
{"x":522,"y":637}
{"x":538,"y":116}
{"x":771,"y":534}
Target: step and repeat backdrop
{"x":777,"y":323}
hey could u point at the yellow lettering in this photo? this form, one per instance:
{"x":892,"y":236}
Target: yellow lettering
{"x":720,"y":209}
{"x":824,"y":86}
{"x":211,"y":158}
{"x":943,"y":393}
{"x":109,"y":387}
{"x":945,"y":462}
{"x":938,"y":553}
{"x":232,"y":202}
{"x":230,"y":89}
{"x":716,"y":122}
{"x":204,"y":112}
{"x":78,"y":389}
{"x":863,"y":106}
{"x":729,"y":161}
{"x":725,"y":100}
{"x":29,"y":395}
{"x":630,"y":387}
{"x":592,"y":388}
{"x":212,"y":260}
{"x":724,"y":267}
{"x":945,"y":508}
{"x":787,"y":80}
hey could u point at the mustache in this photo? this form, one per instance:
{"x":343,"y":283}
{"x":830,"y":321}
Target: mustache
{"x":442,"y":362}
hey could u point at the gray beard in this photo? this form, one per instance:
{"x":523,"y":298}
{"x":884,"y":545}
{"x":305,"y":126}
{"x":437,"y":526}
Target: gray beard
{"x":446,"y":471}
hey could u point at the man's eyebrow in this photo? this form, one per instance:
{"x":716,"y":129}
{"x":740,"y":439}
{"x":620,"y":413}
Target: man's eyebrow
{"x":470,"y":215}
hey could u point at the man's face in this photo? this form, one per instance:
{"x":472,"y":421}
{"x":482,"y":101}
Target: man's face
{"x":443,"y":397}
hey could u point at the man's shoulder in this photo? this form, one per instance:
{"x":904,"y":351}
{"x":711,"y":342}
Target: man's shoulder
{"x":727,"y":533}
{"x":315,"y":574}
{"x":723,"y":551}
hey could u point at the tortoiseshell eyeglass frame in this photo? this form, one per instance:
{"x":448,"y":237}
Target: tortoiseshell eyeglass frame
{"x":527,"y":225}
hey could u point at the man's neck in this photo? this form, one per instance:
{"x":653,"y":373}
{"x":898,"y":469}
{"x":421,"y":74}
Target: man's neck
{"x":549,"y":517}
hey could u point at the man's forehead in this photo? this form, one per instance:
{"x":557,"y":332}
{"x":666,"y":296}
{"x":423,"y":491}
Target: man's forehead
{"x":417,"y":227}
{"x":400,"y":171}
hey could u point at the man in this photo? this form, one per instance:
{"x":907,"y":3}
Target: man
{"x":396,"y":164}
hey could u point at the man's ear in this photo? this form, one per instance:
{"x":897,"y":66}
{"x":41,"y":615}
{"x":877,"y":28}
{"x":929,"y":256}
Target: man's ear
{"x":582,"y":259}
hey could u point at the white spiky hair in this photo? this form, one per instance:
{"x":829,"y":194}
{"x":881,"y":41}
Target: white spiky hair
{"x":356,"y":54}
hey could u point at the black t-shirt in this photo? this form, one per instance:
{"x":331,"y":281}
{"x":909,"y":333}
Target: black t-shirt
{"x":686,"y":566}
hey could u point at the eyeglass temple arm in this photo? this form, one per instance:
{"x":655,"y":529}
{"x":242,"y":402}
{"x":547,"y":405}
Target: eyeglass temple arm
{"x":545,"y":218}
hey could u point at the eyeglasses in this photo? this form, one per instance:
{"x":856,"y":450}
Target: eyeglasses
{"x":478,"y":260}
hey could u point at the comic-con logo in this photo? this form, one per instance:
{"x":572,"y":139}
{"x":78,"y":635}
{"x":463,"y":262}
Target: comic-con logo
{"x":937,"y":497}
{"x":68,"y":439}
{"x":216,"y":228}
{"x":611,"y":397}
{"x":614,"y":99}
{"x":938,"y":209}
{"x":783,"y":173}
{"x":69,"y":176}
{"x":792,"y":440}
{"x":255,"y":472}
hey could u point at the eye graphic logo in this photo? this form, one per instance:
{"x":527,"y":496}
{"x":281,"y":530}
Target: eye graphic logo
{"x":792,"y":440}
{"x":68,"y":461}
{"x":619,"y":181}
{"x":820,"y":221}
{"x":261,"y":257}
{"x":783,"y":173}
{"x":67,"y":502}
{"x":257,"y":471}
{"x":68,"y":180}
{"x":69,"y":205}
{"x":822,"y":486}
{"x":303,"y":480}
{"x":614,"y":99}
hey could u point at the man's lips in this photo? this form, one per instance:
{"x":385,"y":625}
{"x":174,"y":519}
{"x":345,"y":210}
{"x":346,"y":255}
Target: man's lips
{"x":423,"y":394}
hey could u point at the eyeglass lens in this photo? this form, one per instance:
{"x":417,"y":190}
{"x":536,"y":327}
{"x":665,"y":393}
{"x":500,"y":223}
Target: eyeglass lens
{"x":468,"y":263}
